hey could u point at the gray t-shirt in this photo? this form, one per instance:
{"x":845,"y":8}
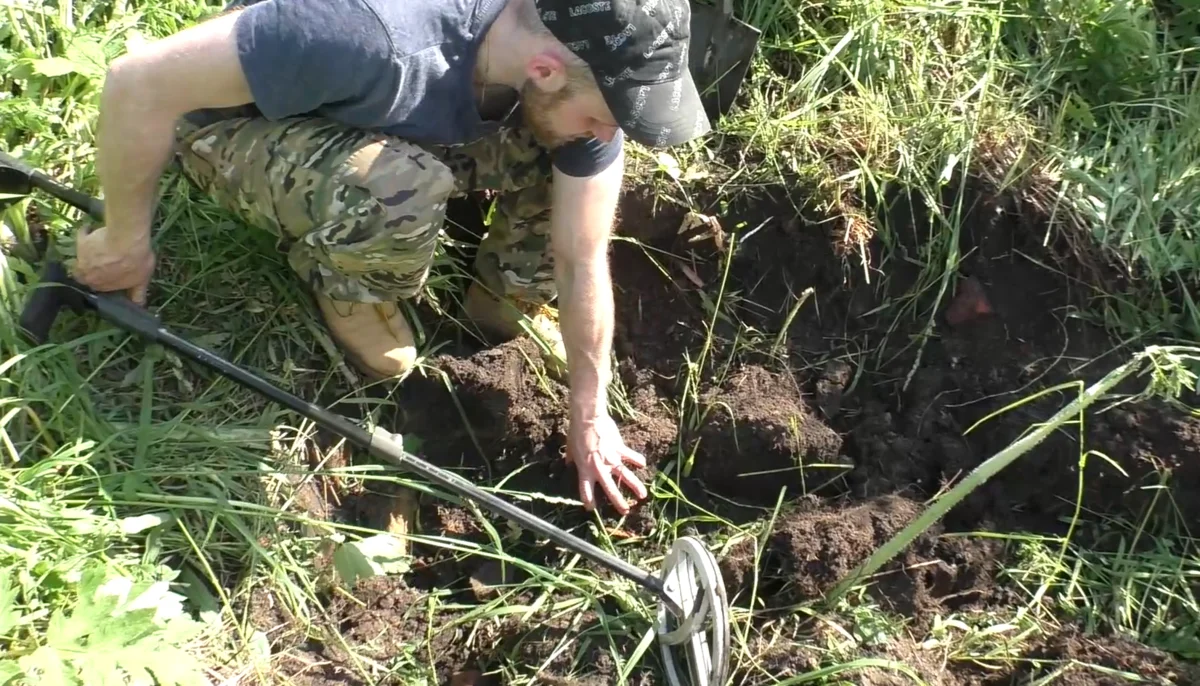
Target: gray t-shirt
{"x":403,"y":67}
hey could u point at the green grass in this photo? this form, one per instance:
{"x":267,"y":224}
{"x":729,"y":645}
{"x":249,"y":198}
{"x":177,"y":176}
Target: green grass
{"x":124,"y":461}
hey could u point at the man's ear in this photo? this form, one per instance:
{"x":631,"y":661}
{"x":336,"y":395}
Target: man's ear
{"x":546,"y":71}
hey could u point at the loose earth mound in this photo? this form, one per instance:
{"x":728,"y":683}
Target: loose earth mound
{"x":850,"y":420}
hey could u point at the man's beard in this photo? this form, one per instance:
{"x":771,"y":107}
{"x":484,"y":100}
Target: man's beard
{"x":537,"y":112}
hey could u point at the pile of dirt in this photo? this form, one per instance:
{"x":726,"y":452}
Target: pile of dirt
{"x":816,"y":549}
{"x":495,"y":417}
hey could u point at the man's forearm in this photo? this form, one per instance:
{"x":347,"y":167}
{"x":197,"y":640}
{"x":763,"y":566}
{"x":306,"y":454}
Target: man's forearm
{"x":586,"y":307}
{"x":583,"y":215}
{"x":134,"y":143}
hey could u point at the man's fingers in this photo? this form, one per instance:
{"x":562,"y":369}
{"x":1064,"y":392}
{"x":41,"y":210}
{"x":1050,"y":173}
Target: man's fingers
{"x":614,"y":494}
{"x":630,"y":455}
{"x":585,"y":491}
{"x":138,"y":293}
{"x":630,"y":479}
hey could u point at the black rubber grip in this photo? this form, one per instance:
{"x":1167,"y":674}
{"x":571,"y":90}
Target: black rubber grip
{"x":40,"y":312}
{"x":120,"y":310}
{"x":18,"y":177}
{"x":47,"y":300}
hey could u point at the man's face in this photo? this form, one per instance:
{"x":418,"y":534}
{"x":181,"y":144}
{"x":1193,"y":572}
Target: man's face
{"x":575,"y":110}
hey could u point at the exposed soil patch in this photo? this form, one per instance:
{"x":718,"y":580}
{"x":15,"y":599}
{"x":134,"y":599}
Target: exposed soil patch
{"x":818,"y":543}
{"x":856,"y":413}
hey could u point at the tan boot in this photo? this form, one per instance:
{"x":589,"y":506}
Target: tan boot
{"x":502,"y":319}
{"x":376,"y":337}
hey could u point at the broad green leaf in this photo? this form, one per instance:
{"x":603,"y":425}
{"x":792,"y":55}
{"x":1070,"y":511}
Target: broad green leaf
{"x":181,"y":629}
{"x":91,"y":581}
{"x":374,"y":556}
{"x":93,"y":609}
{"x":138,"y":662}
{"x":54,"y":66}
{"x":99,"y":668}
{"x":147,"y":595}
{"x":174,"y":667}
{"x":124,"y":630}
{"x":116,"y":587}
{"x":62,"y":632}
{"x":86,"y":53}
{"x":115,"y":635}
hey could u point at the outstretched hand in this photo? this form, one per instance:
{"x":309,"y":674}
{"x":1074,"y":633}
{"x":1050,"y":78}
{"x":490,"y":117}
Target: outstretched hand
{"x":601,"y":457}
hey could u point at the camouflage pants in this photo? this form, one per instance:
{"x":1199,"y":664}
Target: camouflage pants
{"x":359,"y":214}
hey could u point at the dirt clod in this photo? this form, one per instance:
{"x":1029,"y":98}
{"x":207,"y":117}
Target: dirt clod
{"x":758,"y":437}
{"x":1113,"y":652}
{"x":971,"y":302}
{"x":472,"y":677}
{"x":816,"y":549}
{"x":489,"y":578}
{"x":830,"y":387}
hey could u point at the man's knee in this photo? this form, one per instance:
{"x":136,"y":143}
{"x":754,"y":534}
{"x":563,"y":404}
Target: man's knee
{"x":385,"y":240}
{"x":402,"y":177}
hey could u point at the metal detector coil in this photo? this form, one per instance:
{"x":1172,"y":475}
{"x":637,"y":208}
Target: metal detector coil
{"x":691,"y":578}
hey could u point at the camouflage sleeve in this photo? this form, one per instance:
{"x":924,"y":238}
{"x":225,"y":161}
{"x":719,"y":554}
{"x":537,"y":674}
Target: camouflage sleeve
{"x":587,"y":157}
{"x":301,"y":54}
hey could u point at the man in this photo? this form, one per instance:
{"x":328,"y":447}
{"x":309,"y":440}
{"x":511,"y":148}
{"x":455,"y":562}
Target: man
{"x":344,"y":127}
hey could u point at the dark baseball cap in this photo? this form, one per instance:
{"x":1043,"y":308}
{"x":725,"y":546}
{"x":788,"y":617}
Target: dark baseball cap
{"x":638,"y":50}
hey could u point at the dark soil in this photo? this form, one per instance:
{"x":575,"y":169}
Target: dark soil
{"x":854,"y":430}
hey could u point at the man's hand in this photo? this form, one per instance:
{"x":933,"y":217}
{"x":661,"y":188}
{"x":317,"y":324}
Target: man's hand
{"x":600,"y":456}
{"x":115,"y":261}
